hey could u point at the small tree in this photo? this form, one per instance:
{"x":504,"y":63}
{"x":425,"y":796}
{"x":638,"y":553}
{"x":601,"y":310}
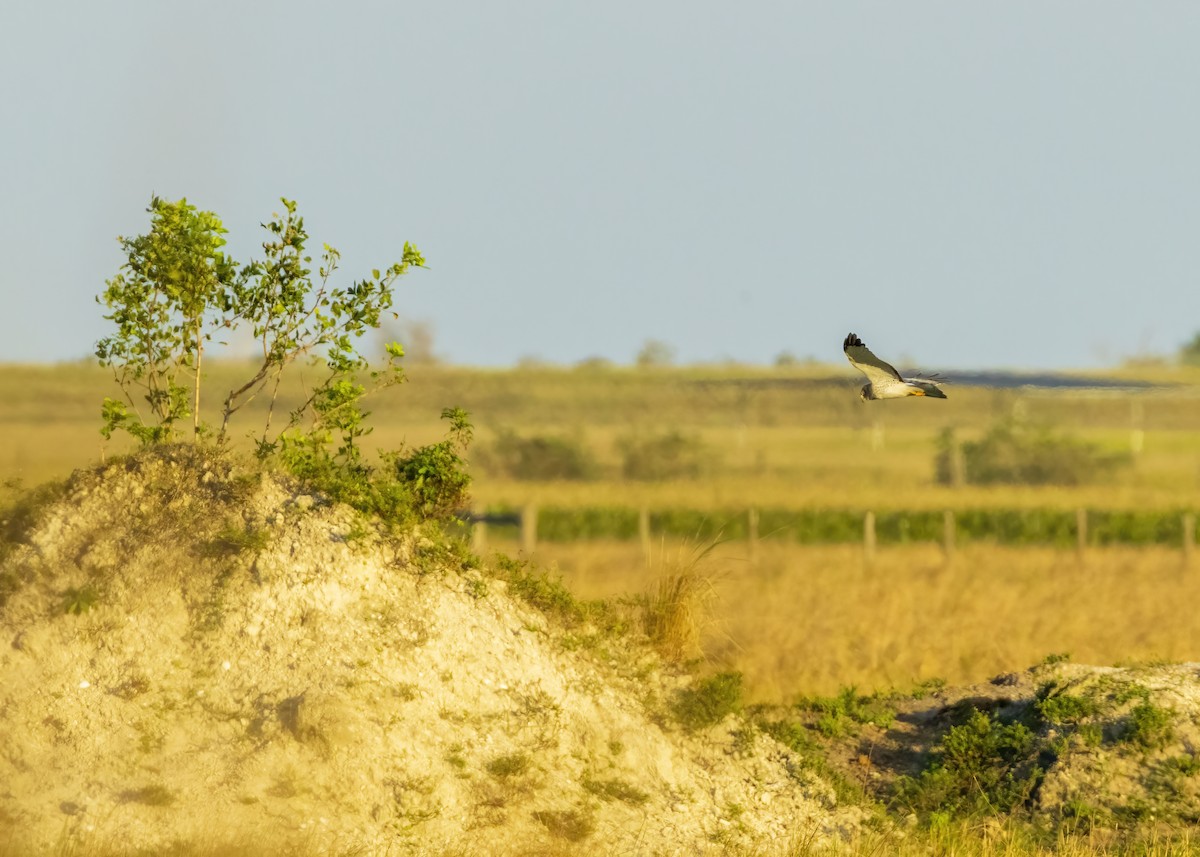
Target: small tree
{"x":177,"y":289}
{"x":293,"y":316}
{"x":172,"y":293}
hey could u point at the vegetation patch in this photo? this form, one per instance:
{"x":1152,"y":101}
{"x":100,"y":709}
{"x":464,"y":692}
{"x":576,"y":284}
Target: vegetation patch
{"x":1015,"y":452}
{"x":613,"y":789}
{"x":1148,"y":726}
{"x":708,"y":701}
{"x":655,"y":458}
{"x":152,"y":795}
{"x":511,"y":765}
{"x":843,"y":714}
{"x":570,"y":824}
{"x":1060,"y":707}
{"x":982,"y":766}
{"x":79,"y":600}
{"x":538,"y":457}
{"x":233,"y":540}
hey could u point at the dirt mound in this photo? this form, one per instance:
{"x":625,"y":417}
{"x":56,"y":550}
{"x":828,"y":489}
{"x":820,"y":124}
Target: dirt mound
{"x":1101,"y":747}
{"x":193,"y":653}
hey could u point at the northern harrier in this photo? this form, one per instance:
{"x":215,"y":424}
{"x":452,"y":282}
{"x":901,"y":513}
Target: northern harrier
{"x":884,"y":382}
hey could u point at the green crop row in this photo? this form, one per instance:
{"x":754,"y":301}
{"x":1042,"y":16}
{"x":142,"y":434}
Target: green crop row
{"x":1046,"y":527}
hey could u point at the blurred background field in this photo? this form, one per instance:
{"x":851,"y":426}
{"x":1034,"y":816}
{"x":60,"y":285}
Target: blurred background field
{"x":796,"y":618}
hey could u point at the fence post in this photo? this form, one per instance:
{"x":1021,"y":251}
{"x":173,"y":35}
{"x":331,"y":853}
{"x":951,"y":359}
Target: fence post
{"x":1081,"y":533}
{"x":479,"y":533}
{"x":1137,"y":431}
{"x":1189,"y":538}
{"x":752,"y":533}
{"x":529,"y":521}
{"x":869,"y":538}
{"x":876,"y":435}
{"x":644,"y":529}
{"x":948,"y":534}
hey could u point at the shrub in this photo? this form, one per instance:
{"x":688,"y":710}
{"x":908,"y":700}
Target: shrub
{"x":436,"y":474}
{"x":709,"y":701}
{"x":429,"y":482}
{"x":1058,"y":707}
{"x":672,"y":455}
{"x":981,"y":766}
{"x":539,"y":457}
{"x":1017,"y":453}
{"x":1149,"y":726}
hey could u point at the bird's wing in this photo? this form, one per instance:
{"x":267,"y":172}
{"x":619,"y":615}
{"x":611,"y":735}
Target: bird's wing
{"x":864,"y":361}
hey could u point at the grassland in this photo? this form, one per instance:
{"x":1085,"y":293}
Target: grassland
{"x":797,"y":619}
{"x":805,"y":620}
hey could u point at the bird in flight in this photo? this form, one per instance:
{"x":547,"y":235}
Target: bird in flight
{"x":883,"y":381}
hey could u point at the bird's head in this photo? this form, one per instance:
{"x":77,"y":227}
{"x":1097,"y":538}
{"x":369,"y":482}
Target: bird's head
{"x":866,"y":394}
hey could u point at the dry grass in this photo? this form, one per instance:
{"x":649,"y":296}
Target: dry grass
{"x":804,"y":620}
{"x":678,"y":608}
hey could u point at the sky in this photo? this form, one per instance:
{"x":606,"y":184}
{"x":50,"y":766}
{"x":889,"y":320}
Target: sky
{"x":965,"y":185}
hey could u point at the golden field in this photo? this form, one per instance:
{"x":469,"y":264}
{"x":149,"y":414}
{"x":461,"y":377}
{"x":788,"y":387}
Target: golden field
{"x":797,"y":619}
{"x":800,"y":621}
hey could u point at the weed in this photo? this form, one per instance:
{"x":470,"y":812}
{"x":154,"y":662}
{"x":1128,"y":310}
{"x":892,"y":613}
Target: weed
{"x":1079,"y":815}
{"x":456,"y":759}
{"x":477,"y":587}
{"x":613,"y":789}
{"x":1187,"y":766}
{"x":152,"y":795}
{"x":549,"y":595}
{"x":405,"y":691}
{"x":1131,"y":691}
{"x":842,"y":714}
{"x":234,"y":540}
{"x":708,"y":701}
{"x":926,"y":687}
{"x":1090,"y":734}
{"x":571,"y":825}
{"x":78,"y":601}
{"x":505,"y":767}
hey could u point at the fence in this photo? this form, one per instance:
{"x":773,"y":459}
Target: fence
{"x":1080,"y":529}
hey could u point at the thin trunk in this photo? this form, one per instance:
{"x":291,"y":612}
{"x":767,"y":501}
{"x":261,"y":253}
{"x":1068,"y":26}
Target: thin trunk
{"x":196,"y":396}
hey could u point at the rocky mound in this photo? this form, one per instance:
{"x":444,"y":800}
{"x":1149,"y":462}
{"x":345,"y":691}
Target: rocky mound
{"x":193,"y":654}
{"x":1080,"y":747}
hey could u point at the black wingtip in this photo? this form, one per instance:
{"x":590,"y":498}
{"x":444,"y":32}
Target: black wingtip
{"x":851,"y":340}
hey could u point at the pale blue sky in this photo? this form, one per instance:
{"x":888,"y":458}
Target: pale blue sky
{"x":1000,"y":184}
